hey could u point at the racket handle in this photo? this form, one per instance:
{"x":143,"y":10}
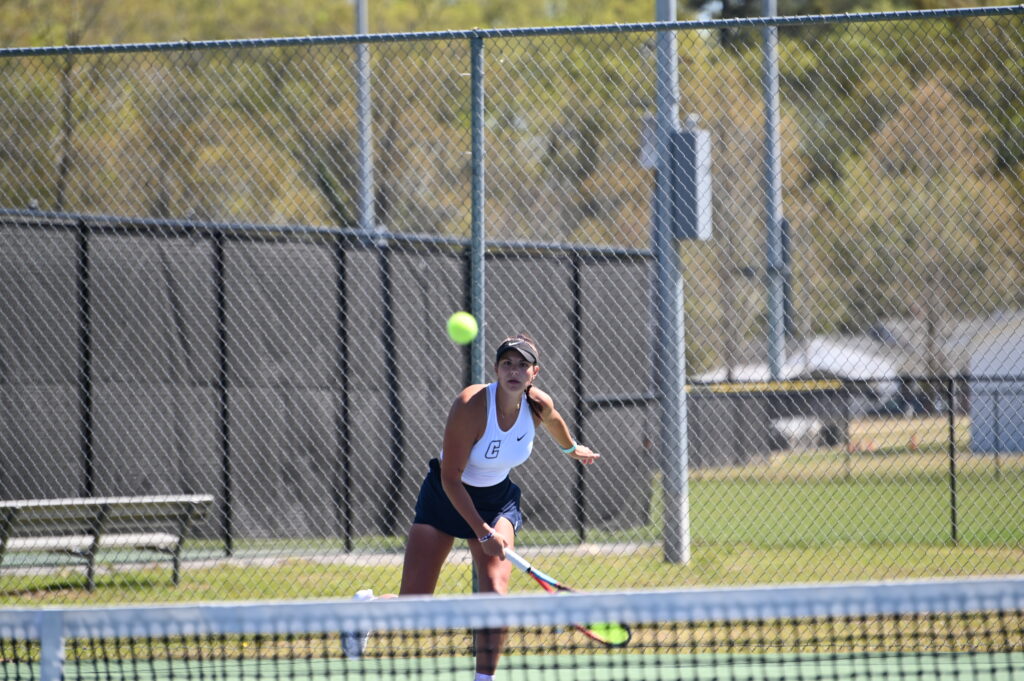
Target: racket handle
{"x":517,"y":560}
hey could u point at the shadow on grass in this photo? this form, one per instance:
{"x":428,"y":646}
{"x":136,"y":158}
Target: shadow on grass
{"x":27,"y":587}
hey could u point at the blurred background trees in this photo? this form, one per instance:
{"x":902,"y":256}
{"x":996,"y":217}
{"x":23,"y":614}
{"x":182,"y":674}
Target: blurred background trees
{"x":893,"y":141}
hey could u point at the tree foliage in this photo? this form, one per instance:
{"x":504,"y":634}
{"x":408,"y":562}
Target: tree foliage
{"x":903,"y":156}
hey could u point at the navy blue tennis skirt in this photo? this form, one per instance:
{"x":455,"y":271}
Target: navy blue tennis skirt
{"x":497,"y":501}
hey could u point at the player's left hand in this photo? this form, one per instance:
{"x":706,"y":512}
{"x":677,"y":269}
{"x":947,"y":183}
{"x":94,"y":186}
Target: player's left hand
{"x":585,"y":455}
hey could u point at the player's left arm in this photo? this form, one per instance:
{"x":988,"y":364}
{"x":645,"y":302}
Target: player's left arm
{"x":559,"y":430}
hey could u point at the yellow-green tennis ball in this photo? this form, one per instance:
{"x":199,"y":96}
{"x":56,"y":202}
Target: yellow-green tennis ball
{"x":462,"y":328}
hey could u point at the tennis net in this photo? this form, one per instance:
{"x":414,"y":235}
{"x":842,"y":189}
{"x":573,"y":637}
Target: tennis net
{"x":964,"y":629}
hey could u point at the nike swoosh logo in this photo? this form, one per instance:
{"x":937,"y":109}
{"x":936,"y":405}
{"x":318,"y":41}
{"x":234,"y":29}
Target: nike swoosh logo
{"x":520,"y":437}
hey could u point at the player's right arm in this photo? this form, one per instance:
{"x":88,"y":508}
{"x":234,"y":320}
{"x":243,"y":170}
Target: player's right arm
{"x":466,"y":422}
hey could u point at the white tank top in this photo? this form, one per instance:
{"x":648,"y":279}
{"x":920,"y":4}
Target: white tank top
{"x":498,"y":451}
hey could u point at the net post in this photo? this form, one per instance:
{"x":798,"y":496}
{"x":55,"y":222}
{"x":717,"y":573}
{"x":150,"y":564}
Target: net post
{"x":51,"y":645}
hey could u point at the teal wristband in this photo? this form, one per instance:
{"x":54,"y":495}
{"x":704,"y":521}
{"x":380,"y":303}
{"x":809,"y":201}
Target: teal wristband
{"x":568,"y":450}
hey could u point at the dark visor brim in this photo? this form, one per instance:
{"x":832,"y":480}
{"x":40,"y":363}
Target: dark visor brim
{"x":520,"y":346}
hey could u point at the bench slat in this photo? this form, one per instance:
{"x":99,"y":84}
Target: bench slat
{"x":156,"y":540}
{"x":112,"y":501}
{"x":121,"y":515}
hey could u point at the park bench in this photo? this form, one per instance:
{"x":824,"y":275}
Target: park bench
{"x":81,"y":527}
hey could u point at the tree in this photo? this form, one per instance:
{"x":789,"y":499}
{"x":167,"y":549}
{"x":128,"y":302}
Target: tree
{"x":913,"y":235}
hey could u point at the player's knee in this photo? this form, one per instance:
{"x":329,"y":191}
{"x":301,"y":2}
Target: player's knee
{"x":497,"y":579}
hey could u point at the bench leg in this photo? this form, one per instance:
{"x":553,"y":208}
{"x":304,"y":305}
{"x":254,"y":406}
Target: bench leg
{"x":176,"y":568}
{"x":98,"y":524}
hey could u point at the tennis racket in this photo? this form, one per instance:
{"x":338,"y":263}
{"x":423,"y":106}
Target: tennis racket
{"x":611,"y":634}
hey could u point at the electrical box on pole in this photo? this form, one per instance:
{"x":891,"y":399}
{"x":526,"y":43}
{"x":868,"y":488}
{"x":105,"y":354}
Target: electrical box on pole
{"x":690,"y":160}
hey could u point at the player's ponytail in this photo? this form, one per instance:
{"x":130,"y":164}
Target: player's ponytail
{"x":535,"y":406}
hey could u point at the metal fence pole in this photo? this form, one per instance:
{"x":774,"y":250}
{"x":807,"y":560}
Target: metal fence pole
{"x":85,"y":402}
{"x":667,"y":304}
{"x":226,"y":511}
{"x":477,"y":241}
{"x":954,"y":533}
{"x":396,"y":440}
{"x":367,"y":218}
{"x":776,"y":268}
{"x":579,"y":497}
{"x":342,"y":474}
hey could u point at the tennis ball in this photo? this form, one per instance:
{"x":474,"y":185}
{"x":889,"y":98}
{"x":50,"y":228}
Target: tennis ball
{"x":462,"y":328}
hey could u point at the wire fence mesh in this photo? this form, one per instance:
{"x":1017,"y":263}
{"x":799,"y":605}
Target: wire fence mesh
{"x":192,"y":303}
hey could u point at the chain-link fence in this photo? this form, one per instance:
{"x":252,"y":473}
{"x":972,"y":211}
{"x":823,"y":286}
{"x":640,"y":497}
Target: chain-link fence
{"x":207,"y":291}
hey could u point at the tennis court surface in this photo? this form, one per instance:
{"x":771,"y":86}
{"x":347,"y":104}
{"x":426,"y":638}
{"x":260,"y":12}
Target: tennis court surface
{"x":949,"y":629}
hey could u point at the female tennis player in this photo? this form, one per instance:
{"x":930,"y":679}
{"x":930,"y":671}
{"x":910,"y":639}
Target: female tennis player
{"x":467,"y":492}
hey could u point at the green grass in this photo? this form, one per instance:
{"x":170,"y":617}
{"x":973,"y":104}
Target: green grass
{"x":906,"y":508}
{"x":822,"y":515}
{"x":641,"y":567}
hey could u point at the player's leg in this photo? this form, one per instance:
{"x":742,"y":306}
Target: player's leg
{"x":425,"y":552}
{"x":493,"y":574}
